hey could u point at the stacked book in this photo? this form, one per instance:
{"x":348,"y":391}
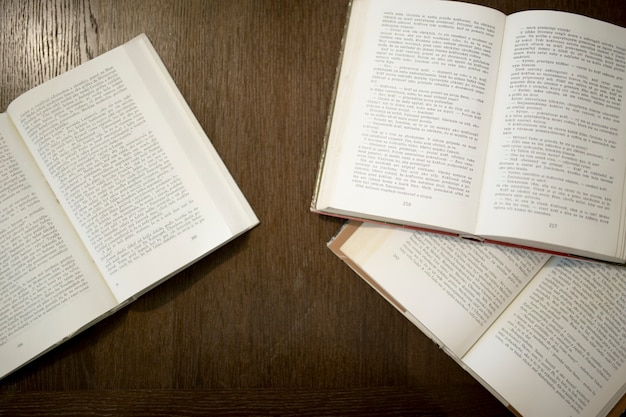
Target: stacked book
{"x":504,"y":135}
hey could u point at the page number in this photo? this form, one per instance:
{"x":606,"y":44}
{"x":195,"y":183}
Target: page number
{"x":553,"y":225}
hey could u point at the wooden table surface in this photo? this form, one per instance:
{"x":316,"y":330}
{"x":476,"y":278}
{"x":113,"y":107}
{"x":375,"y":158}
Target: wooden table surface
{"x":273,"y":323}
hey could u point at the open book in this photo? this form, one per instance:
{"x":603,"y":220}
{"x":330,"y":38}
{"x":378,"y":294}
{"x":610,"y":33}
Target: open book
{"x":546,"y":335}
{"x":455,"y":117}
{"x":108,"y":186}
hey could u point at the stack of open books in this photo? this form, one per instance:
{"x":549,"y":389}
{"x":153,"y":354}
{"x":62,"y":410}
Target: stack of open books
{"x":458,"y":119}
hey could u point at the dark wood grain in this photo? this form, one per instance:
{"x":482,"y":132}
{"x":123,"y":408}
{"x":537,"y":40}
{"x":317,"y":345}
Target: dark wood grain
{"x":273,"y":323}
{"x":417,"y":401}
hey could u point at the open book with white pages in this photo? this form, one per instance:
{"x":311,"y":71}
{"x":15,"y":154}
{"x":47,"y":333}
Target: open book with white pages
{"x":545,"y":334}
{"x":454,"y":117}
{"x":108,"y":186}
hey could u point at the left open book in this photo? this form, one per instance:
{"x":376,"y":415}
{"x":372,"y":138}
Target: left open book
{"x":108,"y":187}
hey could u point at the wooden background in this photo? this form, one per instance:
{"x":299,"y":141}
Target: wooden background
{"x":273,"y":323}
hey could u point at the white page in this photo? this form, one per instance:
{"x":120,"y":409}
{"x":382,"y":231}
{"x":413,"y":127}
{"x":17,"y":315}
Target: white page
{"x":200,"y":153}
{"x":49,"y":288}
{"x":565,"y":334}
{"x":557,"y":156}
{"x":411,"y":118}
{"x":129,"y":187}
{"x":453,"y":287}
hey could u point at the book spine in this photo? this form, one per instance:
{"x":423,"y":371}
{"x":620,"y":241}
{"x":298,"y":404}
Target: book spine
{"x":332,"y":108}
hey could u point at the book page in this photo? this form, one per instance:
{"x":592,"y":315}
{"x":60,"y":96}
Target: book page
{"x":557,"y":157}
{"x":564,"y":339}
{"x":49,"y":288}
{"x":453,"y":287}
{"x":412,"y":112}
{"x":121,"y":169}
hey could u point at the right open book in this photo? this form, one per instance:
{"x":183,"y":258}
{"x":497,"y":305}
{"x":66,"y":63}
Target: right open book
{"x":546,"y":335}
{"x":455,"y":117}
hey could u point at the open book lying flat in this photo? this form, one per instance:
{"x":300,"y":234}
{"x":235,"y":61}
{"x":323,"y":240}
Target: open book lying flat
{"x":455,"y":117}
{"x":108,"y":186}
{"x":546,"y":335}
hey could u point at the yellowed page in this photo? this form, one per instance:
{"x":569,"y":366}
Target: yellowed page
{"x":452,"y":288}
{"x":563,"y":340}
